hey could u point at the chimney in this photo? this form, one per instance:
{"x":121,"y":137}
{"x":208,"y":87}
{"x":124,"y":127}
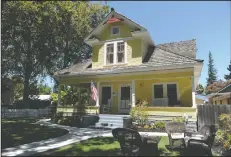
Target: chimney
{"x":112,"y":9}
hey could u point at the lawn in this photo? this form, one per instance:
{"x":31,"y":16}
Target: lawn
{"x":21,"y":131}
{"x":101,"y":146}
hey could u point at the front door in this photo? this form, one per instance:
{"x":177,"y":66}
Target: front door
{"x":172,"y":94}
{"x":124,"y":98}
{"x":105,"y":98}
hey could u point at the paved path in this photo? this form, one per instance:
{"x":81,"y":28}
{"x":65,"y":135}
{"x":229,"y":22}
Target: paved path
{"x":74,"y":135}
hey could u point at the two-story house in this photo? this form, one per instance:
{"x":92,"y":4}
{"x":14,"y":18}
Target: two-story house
{"x":127,"y":66}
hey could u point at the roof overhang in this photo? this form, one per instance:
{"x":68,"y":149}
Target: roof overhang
{"x":128,"y":71}
{"x":144,"y":35}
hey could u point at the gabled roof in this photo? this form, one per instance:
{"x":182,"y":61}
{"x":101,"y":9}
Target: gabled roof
{"x":186,"y":48}
{"x":225,"y":89}
{"x":117,"y":15}
{"x":155,"y":59}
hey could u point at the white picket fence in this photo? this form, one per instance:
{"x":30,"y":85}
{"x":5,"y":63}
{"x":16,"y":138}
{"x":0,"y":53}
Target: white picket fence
{"x":11,"y":113}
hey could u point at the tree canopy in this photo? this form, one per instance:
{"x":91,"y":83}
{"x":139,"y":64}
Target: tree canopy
{"x":212,"y":72}
{"x":40,"y":37}
{"x":228,"y":76}
{"x":199,"y":89}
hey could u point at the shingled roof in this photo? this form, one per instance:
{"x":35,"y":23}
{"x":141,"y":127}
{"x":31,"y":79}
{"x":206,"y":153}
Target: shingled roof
{"x":163,"y":55}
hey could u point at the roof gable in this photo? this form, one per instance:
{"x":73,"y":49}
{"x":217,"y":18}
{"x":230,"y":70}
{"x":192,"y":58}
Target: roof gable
{"x":112,"y":17}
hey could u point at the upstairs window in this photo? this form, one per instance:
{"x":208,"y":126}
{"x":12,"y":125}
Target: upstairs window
{"x":110,"y":54}
{"x":115,"y":31}
{"x":120,"y":52}
{"x":115,"y":53}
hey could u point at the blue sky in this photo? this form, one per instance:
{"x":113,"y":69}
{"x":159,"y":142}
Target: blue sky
{"x":208,"y":22}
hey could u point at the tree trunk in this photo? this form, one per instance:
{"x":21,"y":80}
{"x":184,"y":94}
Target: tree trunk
{"x":26,"y":91}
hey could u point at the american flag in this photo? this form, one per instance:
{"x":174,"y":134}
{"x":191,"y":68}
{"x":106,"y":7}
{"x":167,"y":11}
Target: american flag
{"x":94,"y":94}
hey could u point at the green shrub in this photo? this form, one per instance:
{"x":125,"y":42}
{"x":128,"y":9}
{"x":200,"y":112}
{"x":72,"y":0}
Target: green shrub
{"x":160,"y":124}
{"x":223,"y":134}
{"x":178,"y":119}
{"x":139,"y":114}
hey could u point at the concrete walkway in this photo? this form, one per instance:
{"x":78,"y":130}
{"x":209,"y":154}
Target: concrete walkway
{"x":74,"y":135}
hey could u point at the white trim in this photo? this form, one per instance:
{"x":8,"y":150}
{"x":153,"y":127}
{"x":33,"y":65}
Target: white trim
{"x":115,"y":53}
{"x":112,"y":40}
{"x":193,"y":93}
{"x":101,"y":86}
{"x":112,"y":30}
{"x":133,"y":94}
{"x":165,"y":93}
{"x":119,"y":96}
{"x":125,"y":52}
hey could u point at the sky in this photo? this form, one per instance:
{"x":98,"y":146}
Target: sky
{"x":207,"y":22}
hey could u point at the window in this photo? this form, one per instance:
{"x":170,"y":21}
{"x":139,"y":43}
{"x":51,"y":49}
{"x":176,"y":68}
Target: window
{"x":115,"y":31}
{"x":229,"y":101}
{"x":220,"y":101}
{"x":110,"y":54}
{"x":158,"y":91}
{"x":120,"y":52}
{"x":115,"y":52}
{"x":166,"y":90}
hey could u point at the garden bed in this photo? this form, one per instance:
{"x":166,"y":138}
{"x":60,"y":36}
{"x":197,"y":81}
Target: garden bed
{"x":75,"y":121}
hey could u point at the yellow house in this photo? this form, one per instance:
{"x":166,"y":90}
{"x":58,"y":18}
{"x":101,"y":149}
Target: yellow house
{"x":127,"y":66}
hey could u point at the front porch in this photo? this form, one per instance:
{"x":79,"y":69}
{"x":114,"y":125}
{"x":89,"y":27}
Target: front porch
{"x":165,"y":91}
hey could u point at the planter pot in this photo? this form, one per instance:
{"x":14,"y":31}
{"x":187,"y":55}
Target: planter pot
{"x":127,"y":122}
{"x":88,"y":120}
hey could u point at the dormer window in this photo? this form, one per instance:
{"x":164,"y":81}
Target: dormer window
{"x":115,"y":30}
{"x":115,"y":52}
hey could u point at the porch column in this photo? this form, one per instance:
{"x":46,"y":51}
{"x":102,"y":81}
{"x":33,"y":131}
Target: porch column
{"x":59,"y":95}
{"x":193,"y":94}
{"x":133,"y":94}
{"x":97,"y":101}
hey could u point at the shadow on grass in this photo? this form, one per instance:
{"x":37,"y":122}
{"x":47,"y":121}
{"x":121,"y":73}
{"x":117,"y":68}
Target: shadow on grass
{"x":20,"y":131}
{"x":106,"y":146}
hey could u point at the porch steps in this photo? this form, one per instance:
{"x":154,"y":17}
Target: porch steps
{"x":115,"y":121}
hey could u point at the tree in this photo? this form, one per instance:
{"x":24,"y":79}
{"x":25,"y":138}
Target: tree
{"x":228,"y":76}
{"x":200,"y":89}
{"x":40,"y":37}
{"x":212,"y":72}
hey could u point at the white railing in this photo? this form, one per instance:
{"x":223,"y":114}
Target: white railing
{"x":10,"y":113}
{"x":160,"y":102}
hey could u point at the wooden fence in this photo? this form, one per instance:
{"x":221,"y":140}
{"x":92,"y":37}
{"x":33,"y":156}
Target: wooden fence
{"x":208,"y":114}
{"x":11,"y":113}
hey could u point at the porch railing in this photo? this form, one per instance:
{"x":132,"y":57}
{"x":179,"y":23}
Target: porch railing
{"x":160,"y":102}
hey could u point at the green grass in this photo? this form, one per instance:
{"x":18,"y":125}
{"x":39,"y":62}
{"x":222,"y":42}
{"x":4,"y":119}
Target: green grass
{"x":20,"y":131}
{"x":108,"y":146}
{"x":101,"y":146}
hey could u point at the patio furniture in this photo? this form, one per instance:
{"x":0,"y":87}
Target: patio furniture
{"x":202,"y":140}
{"x":176,"y":132}
{"x":107,"y":107}
{"x":132,"y":144}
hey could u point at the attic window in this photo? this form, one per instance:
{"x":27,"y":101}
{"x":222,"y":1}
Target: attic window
{"x":115,"y":31}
